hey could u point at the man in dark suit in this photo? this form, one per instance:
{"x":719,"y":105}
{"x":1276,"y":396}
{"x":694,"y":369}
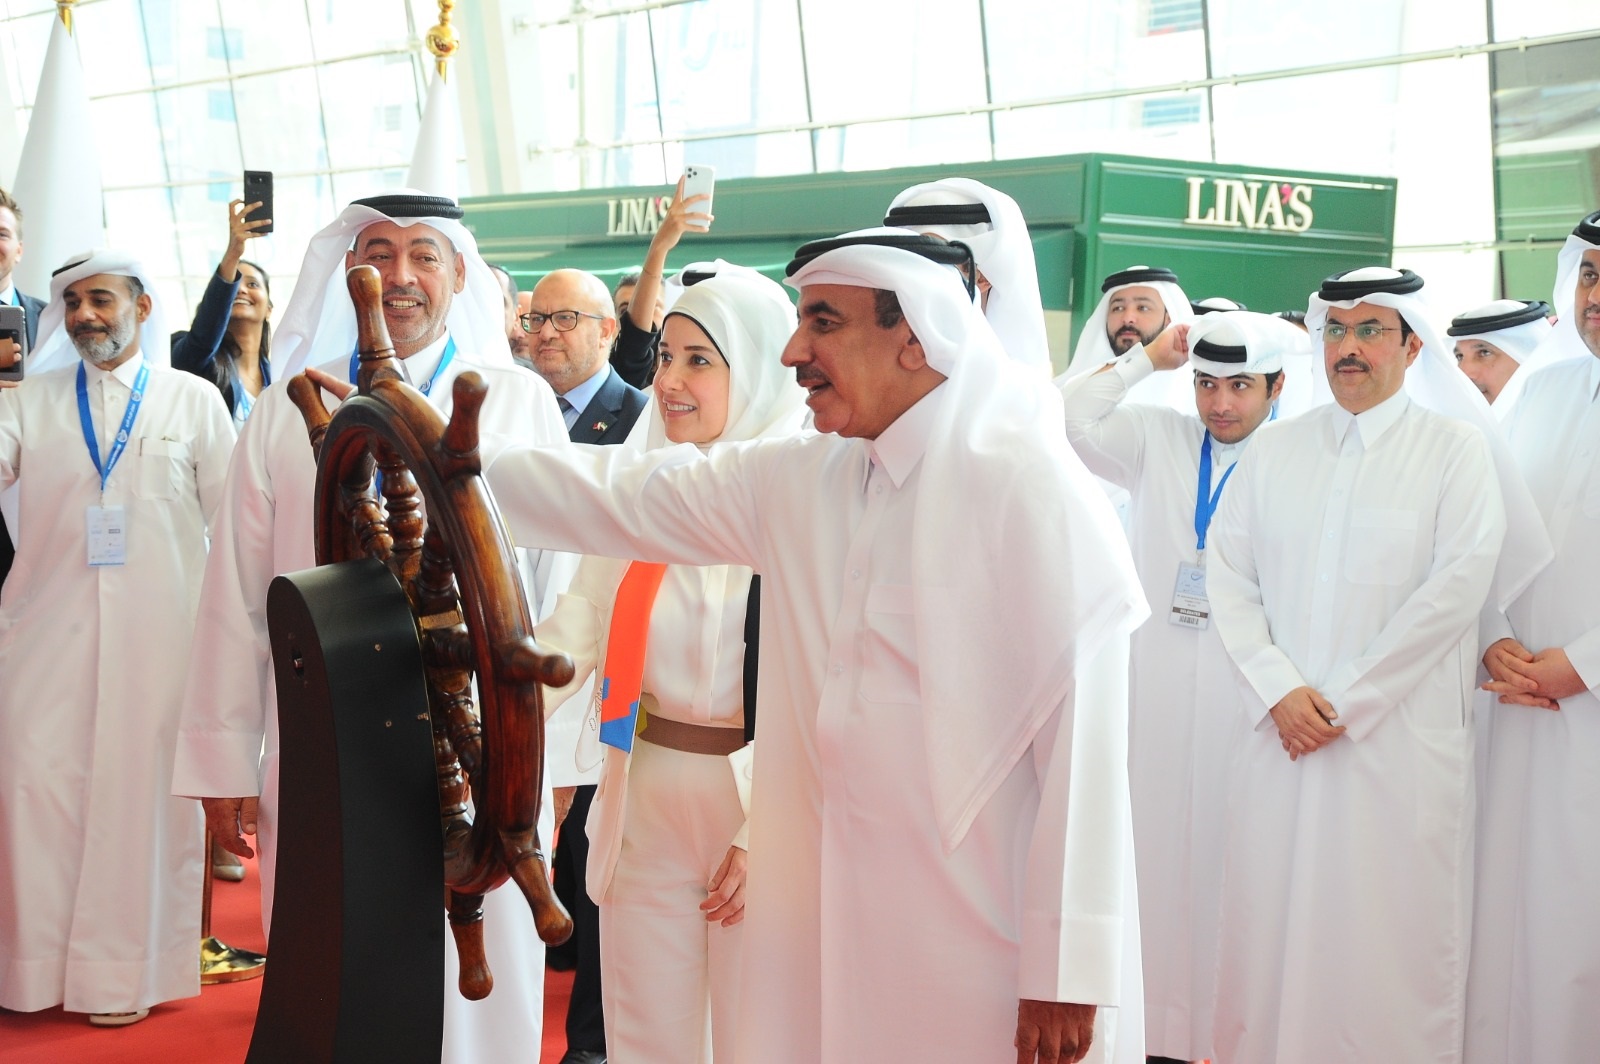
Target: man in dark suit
{"x":10,"y":255}
{"x":571,"y":325}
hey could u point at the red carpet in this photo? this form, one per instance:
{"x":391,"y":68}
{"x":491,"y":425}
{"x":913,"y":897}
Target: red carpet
{"x":213,"y":1028}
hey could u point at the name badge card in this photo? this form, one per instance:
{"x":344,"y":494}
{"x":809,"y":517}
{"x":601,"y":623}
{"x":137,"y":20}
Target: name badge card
{"x":107,"y":528}
{"x":1190,"y":607}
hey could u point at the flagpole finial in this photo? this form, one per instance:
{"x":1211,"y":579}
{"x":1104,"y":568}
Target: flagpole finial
{"x":442,"y":39}
{"x":64,"y":9}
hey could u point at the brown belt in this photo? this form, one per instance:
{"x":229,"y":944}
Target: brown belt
{"x":689,"y":738}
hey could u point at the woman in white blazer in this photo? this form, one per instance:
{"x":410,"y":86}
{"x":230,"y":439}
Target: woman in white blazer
{"x":667,"y":830}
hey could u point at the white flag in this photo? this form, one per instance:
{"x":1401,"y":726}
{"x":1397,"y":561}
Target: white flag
{"x":58,"y":175}
{"x":435,"y":165}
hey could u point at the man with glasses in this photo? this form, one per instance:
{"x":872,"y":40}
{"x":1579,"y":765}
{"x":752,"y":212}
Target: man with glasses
{"x":1347,"y":565}
{"x":571,"y":323}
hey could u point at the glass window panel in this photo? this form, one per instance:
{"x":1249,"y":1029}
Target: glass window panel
{"x":178,"y":35}
{"x":141,"y":218}
{"x":1254,"y":35}
{"x":23,"y":42}
{"x":623,"y":167}
{"x":128,"y":123}
{"x":18,"y":8}
{"x":1547,"y":98}
{"x":363,"y":183}
{"x":1165,"y":125}
{"x":619,"y":89}
{"x":112,"y":46}
{"x":934,"y":63}
{"x":735,"y":66}
{"x":549,"y":108}
{"x":1041,"y":51}
{"x":918,"y":142}
{"x":199,"y":131}
{"x":201,"y":229}
{"x":374,"y":121}
{"x":1513,"y":20}
{"x":269,"y":35}
{"x":341,"y":28}
{"x":280,"y":121}
{"x":765,"y":155}
{"x":1443,"y":162}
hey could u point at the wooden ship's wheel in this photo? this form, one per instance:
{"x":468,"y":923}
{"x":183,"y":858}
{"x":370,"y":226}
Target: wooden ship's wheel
{"x":429,"y":518}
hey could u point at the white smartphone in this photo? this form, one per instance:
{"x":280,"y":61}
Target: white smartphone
{"x":699,"y":181}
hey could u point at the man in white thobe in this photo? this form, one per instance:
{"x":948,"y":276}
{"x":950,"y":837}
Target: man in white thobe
{"x":940,"y":839}
{"x":990,"y":223}
{"x":1135,"y":305}
{"x":1183,"y":718}
{"x":1536,"y":944}
{"x":442,"y":306}
{"x":120,"y":461}
{"x":1494,"y":340}
{"x":1354,"y":548}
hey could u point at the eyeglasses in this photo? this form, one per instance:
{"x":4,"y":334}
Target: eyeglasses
{"x":563,"y":320}
{"x":1334,"y":332}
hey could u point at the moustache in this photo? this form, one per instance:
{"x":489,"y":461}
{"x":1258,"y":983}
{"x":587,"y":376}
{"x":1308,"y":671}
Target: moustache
{"x":1129,"y":329}
{"x":405,"y":293}
{"x":804,"y":377}
{"x":1350,"y":362}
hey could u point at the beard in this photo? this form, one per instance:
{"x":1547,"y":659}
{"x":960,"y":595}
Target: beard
{"x":102,"y":347}
{"x":1123,"y":339}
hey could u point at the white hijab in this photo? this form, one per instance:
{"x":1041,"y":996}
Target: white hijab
{"x":1435,"y":382}
{"x":1003,"y":251}
{"x":55,"y":348}
{"x":1034,"y":529}
{"x":320,"y":322}
{"x":749,"y":319}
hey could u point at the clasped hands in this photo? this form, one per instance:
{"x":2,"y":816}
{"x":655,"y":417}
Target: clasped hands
{"x":1305,"y":722}
{"x":1523,"y":678}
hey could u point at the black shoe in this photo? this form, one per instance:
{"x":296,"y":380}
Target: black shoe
{"x":583,"y":1056}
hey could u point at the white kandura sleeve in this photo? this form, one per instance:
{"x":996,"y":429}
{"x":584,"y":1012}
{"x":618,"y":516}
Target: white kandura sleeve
{"x":1077,"y":886}
{"x":1237,"y":607}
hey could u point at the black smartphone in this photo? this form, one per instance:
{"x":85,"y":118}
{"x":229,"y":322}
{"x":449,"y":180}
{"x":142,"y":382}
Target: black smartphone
{"x":14,"y":327}
{"x":258,"y":189}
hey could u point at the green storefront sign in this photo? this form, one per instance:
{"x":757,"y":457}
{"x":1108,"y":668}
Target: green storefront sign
{"x":1264,"y":237}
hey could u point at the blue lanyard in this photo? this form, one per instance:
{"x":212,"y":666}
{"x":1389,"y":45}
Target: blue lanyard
{"x":1205,"y":500}
{"x":120,"y":444}
{"x":1205,"y":505}
{"x":427,"y":386}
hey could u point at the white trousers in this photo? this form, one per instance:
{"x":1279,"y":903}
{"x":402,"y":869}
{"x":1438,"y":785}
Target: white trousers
{"x":670,"y":977}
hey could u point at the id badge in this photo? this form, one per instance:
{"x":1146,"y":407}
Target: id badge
{"x":1190,"y":607}
{"x":107,"y":535}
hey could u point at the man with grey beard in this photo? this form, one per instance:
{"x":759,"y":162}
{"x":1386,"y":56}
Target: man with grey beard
{"x":119,"y":461}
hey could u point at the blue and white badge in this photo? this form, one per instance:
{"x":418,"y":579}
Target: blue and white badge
{"x":1190,"y":607}
{"x":106,"y":529}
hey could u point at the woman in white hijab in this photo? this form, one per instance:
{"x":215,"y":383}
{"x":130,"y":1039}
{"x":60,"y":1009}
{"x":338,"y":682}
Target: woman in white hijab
{"x":669,"y":646}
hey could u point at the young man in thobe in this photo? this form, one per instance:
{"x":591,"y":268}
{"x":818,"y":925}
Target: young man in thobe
{"x":937,"y":694}
{"x":443,"y":308}
{"x":1353,"y":550}
{"x":1536,"y":944}
{"x":120,"y":461}
{"x":1183,"y":716}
